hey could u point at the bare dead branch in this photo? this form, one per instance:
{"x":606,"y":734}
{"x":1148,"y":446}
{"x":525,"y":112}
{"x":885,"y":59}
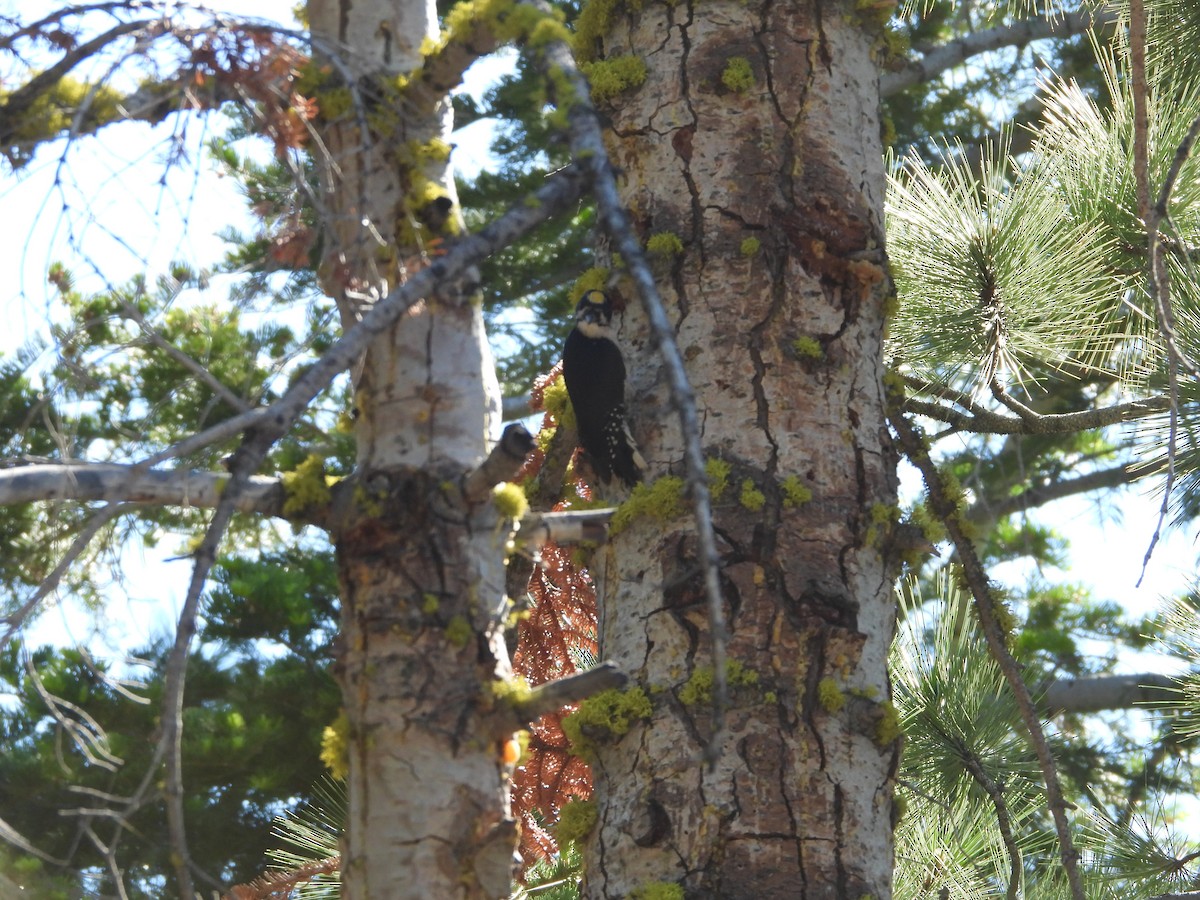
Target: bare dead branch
{"x":517,"y":407}
{"x":19,"y":101}
{"x":10,"y":835}
{"x":976,"y":579}
{"x":34,"y":29}
{"x":1152,"y":215}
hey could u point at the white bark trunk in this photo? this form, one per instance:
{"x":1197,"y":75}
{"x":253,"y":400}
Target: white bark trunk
{"x":421,"y":568}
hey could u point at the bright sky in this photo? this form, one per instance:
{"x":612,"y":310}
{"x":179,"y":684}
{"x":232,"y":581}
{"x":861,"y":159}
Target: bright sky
{"x":64,"y":213}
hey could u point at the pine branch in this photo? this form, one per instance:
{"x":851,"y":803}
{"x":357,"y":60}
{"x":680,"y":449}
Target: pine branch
{"x":973,"y":417}
{"x":199,"y":371}
{"x":281,"y":885}
{"x":976,"y":580}
{"x":1018,"y":34}
{"x":1003,"y":821}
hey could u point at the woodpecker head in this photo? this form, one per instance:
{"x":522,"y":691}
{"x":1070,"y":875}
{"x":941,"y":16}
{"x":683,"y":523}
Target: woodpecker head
{"x":593,"y":315}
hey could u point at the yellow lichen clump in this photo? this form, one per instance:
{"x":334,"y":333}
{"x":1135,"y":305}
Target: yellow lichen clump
{"x":738,"y":75}
{"x":661,"y":500}
{"x":752,"y":498}
{"x":795,"y":492}
{"x":557,"y":402}
{"x":665,"y":244}
{"x":509,"y":500}
{"x":610,"y":77}
{"x":612,"y":711}
{"x":593,"y":279}
{"x":576,"y":820}
{"x":717,"y":471}
{"x":335,"y":742}
{"x":659,"y":890}
{"x":306,"y":488}
{"x":830,"y":696}
{"x":750,"y":246}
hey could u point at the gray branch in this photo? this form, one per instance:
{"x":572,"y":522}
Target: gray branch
{"x":1110,"y":692}
{"x":1017,"y":34}
{"x":517,"y":407}
{"x":1038,"y":495}
{"x":554,"y":695}
{"x":504,"y":461}
{"x":568,"y":527}
{"x":114,"y":483}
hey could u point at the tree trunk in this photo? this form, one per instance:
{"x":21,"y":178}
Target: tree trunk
{"x":755,"y":141}
{"x":421,"y":566}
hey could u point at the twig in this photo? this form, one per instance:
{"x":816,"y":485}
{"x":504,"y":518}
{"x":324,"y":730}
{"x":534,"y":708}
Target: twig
{"x":283,"y":884}
{"x":86,"y":733}
{"x":13,"y":621}
{"x":10,"y":835}
{"x":588,"y":151}
{"x":151,"y":334}
{"x":1160,"y":286}
{"x":977,"y":581}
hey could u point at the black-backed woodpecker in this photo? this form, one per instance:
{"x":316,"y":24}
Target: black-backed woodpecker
{"x":595,"y":375}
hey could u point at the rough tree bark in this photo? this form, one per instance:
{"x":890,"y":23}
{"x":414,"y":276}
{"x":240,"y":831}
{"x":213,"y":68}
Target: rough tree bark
{"x":755,"y":141}
{"x":421,"y":565}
